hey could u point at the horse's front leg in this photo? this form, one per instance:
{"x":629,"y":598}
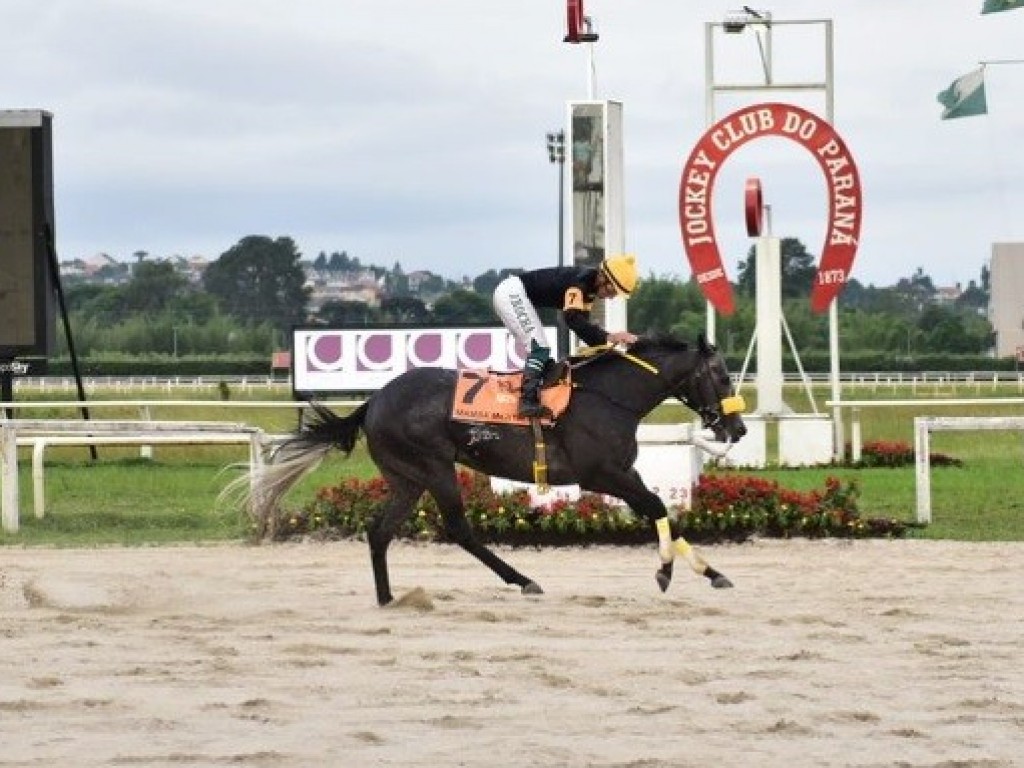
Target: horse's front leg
{"x":642,"y":501}
{"x":669,"y":548}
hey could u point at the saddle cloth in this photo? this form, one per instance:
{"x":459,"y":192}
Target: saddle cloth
{"x":488,"y":396}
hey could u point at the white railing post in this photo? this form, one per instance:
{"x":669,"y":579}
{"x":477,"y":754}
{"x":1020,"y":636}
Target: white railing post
{"x":9,"y":476}
{"x":145,"y":451}
{"x":922,"y":467}
{"x":39,"y":478}
{"x":855,"y":436}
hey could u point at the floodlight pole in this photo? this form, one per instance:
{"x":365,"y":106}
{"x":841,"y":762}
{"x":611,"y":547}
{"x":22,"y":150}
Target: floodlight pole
{"x":556,"y":154}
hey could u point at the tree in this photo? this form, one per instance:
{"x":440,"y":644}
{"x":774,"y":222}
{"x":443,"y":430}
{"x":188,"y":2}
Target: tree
{"x":488,"y":281}
{"x":340,"y":262}
{"x":947,"y":330}
{"x":100,"y":303}
{"x":114,"y":273}
{"x":462,"y":306}
{"x":154,"y":287}
{"x":797,"y":266}
{"x":918,"y":289}
{"x":403,"y":310}
{"x":260,"y":279}
{"x":433,"y":286}
{"x":659,"y":305}
{"x":341,"y":313}
{"x":974,"y":298}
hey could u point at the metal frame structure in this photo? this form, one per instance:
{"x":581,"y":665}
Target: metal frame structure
{"x":763,"y":24}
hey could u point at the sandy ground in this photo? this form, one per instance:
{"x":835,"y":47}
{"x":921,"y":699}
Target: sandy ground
{"x":825,"y":654}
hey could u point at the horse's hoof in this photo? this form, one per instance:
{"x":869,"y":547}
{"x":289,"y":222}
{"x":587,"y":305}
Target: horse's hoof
{"x":532,"y":588}
{"x":720,"y":582}
{"x":663,"y":579}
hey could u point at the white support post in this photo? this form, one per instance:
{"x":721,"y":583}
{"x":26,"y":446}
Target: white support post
{"x":145,"y":451}
{"x":855,"y":435}
{"x":769,"y":327}
{"x":9,"y":476}
{"x":39,"y":478}
{"x":922,"y":467}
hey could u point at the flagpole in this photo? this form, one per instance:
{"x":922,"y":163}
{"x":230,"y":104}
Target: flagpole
{"x":986,"y":62}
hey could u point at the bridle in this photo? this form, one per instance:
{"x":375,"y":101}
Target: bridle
{"x":700,"y":385}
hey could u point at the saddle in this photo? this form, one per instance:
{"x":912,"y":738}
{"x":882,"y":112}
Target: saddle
{"x":492,"y":397}
{"x":482,"y":395}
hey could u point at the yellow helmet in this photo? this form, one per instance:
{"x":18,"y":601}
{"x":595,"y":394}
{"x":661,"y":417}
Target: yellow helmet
{"x":621,"y":272}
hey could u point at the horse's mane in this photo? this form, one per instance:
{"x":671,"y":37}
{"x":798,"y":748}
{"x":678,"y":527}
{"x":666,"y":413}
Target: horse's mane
{"x":659,"y":341}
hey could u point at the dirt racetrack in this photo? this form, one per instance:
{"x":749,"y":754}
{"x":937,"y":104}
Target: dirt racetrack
{"x":881,"y":654}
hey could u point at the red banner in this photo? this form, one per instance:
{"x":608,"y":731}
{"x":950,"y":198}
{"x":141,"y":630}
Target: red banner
{"x":698,"y":181}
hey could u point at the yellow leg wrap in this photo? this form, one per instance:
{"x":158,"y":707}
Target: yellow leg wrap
{"x":665,"y":550}
{"x":684,"y":550}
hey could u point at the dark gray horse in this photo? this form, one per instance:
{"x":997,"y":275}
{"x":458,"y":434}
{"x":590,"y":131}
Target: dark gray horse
{"x":416,"y":445}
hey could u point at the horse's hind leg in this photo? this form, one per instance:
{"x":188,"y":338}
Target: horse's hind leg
{"x":445,"y":490}
{"x":382,"y":528}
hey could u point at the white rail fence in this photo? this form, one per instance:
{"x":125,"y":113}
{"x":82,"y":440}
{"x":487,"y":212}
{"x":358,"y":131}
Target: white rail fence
{"x":919,"y":382}
{"x":855,"y":406}
{"x":145,"y":432}
{"x":924,"y":426}
{"x":39,"y":434}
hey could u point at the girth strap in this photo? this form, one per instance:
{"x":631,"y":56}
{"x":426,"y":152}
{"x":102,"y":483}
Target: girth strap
{"x":540,"y":462}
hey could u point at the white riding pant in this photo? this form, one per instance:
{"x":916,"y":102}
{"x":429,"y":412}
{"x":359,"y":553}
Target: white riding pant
{"x":518,"y":313}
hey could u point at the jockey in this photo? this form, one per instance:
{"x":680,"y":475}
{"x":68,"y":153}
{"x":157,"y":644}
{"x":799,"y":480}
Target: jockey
{"x":572,"y":290}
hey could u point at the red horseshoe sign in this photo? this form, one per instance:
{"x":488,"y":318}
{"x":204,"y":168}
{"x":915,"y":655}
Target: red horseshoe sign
{"x":698,"y":181}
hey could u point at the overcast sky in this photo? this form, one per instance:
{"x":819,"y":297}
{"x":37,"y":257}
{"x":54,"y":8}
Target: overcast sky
{"x":414,"y":131}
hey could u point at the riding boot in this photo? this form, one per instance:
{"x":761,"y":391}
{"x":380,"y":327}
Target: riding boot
{"x":529,"y":401}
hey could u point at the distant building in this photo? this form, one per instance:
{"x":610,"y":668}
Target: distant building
{"x":351,"y":285}
{"x":104,"y":269}
{"x":1006,"y":306}
{"x":417,"y":279}
{"x":947,"y":296}
{"x":192,"y":267}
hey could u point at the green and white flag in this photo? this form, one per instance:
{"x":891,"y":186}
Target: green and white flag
{"x":995,"y":6}
{"x":965,"y":97}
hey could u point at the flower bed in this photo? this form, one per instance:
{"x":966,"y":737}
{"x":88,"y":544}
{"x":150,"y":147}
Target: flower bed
{"x":726,"y":508}
{"x":891,"y":453}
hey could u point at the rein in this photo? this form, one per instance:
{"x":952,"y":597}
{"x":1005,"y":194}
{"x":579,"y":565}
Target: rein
{"x":598,"y":351}
{"x":710,"y":415}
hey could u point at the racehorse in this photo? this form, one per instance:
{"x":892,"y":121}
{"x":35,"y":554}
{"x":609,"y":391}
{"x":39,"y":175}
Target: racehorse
{"x":416,"y":446}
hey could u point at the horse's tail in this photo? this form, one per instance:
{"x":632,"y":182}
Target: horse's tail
{"x":323,"y":431}
{"x":261,"y":490}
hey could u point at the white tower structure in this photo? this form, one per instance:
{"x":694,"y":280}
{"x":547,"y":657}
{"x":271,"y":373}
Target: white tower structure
{"x":769,"y":327}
